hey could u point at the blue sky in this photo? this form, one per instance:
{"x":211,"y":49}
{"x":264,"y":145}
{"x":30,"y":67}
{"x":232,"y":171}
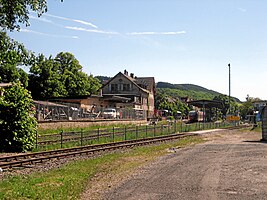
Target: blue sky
{"x":175,"y":41}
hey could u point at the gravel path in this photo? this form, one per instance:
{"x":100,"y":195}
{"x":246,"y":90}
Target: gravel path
{"x":231,"y":165}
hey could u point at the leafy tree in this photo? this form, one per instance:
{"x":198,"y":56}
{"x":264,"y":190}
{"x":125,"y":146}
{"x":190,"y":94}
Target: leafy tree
{"x":17,"y":123}
{"x":226,"y":106}
{"x":61,"y":76}
{"x":44,"y":80}
{"x":247,"y":108}
{"x":14,"y":12}
{"x":13,"y":55}
{"x":165,"y":102}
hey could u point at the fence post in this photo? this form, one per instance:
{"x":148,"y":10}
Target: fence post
{"x":154,"y":130}
{"x":146,"y":131}
{"x":161,"y":129}
{"x":61,"y":139}
{"x":113,"y":134}
{"x":81,"y":137}
{"x":181,"y":127}
{"x":174,"y":126}
{"x":98,"y":134}
{"x":125,"y":133}
{"x":36,"y":145}
{"x":136,"y":132}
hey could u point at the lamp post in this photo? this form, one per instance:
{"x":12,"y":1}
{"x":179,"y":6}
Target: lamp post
{"x":229,"y":87}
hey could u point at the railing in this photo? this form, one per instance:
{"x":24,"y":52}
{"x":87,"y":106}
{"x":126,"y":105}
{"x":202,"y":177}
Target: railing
{"x":97,"y":136}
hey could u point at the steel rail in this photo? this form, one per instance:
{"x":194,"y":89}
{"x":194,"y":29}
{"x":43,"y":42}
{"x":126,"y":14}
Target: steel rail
{"x":32,"y":158}
{"x":39,"y":157}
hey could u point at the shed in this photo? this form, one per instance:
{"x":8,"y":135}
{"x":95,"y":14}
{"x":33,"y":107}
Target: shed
{"x":207,"y":104}
{"x":264,"y":123}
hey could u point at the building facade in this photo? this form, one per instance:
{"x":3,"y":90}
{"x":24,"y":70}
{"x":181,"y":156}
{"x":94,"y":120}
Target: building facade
{"x":137,"y":92}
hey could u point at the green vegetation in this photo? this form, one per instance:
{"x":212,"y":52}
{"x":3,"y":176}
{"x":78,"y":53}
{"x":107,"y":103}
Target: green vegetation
{"x":168,"y":97}
{"x":76,"y":129}
{"x":188,"y":90}
{"x":116,"y":134}
{"x":17,"y":123}
{"x":69,"y":181}
{"x":16,"y":12}
{"x":59,"y":77}
{"x":12,"y":55}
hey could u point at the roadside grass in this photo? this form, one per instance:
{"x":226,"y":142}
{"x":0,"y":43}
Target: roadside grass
{"x":77,"y":129}
{"x":257,"y":129}
{"x":70,"y":181}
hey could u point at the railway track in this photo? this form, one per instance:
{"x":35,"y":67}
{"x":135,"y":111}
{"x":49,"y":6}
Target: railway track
{"x":29,"y":159}
{"x":24,"y":160}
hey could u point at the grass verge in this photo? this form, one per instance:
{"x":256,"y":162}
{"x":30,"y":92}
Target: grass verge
{"x":70,"y":180}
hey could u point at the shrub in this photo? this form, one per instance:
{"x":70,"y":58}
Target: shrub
{"x":18,"y":125}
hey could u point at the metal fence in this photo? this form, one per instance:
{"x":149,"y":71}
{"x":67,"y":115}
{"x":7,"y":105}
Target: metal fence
{"x":97,"y":136}
{"x":49,"y":111}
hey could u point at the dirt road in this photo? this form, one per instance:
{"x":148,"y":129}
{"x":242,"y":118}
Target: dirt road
{"x":231,"y":165}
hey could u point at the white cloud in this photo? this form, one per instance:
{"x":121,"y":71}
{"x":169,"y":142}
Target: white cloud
{"x":157,"y":33}
{"x":73,"y":20}
{"x":91,"y":30}
{"x":41,"y":19}
{"x":242,"y":9}
{"x":49,"y":35}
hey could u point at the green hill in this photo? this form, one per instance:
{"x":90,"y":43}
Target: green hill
{"x":187,"y":90}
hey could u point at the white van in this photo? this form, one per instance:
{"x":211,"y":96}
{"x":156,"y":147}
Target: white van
{"x":109,"y":113}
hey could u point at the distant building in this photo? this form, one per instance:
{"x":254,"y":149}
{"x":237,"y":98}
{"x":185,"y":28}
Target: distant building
{"x":138,"y":92}
{"x":258,"y":105}
{"x":131,"y":96}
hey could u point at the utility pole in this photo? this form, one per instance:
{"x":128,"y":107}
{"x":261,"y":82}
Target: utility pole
{"x":229,"y":87}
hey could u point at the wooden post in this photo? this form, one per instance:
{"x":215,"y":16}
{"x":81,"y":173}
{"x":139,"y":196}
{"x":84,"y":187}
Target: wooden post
{"x":113,"y":134}
{"x":81,"y":137}
{"x":61,"y":139}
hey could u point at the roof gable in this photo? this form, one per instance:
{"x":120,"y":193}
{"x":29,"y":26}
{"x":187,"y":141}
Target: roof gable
{"x":132,"y":80}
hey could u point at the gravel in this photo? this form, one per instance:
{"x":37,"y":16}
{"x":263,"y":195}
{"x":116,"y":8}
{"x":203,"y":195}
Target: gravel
{"x":230,"y":165}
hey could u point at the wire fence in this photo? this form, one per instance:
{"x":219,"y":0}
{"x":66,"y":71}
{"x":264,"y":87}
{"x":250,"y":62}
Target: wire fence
{"x":115,"y":134}
{"x":48,"y":111}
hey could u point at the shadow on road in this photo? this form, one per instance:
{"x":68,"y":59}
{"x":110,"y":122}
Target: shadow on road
{"x":256,"y":141}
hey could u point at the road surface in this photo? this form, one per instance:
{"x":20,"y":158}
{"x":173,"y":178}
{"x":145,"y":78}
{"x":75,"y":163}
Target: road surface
{"x":231,"y":165}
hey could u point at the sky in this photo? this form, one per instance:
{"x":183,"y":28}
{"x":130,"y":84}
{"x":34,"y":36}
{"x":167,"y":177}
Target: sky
{"x":175,"y":41}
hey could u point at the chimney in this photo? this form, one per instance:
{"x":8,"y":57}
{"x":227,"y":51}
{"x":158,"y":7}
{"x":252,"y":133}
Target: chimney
{"x":125,"y":72}
{"x":132,"y":75}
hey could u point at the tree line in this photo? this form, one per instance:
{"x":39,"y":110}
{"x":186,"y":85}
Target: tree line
{"x":57,"y":76}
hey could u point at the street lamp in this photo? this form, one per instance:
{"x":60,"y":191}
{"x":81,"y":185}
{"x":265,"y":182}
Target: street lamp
{"x":229,"y":87}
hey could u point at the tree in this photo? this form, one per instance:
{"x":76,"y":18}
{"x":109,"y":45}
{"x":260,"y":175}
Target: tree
{"x":44,"y":79}
{"x":164,"y":102}
{"x":226,"y":106}
{"x":13,"y":55}
{"x":247,"y":108}
{"x":17,"y":121}
{"x":61,"y":76}
{"x":15,"y":12}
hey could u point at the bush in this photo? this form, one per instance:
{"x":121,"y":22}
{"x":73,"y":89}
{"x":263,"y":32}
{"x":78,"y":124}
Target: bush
{"x":18,"y":125}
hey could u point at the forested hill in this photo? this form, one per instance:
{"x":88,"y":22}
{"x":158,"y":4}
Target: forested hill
{"x":182,"y":90}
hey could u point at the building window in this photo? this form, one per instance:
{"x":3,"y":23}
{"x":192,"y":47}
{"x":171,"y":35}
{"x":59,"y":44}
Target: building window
{"x":120,"y":87}
{"x":114,"y":87}
{"x":126,"y":87}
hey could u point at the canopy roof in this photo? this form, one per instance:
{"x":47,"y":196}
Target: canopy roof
{"x":206,"y":103}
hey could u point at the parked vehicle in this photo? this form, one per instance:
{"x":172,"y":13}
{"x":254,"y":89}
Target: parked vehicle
{"x":195,"y":116}
{"x":109,"y":113}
